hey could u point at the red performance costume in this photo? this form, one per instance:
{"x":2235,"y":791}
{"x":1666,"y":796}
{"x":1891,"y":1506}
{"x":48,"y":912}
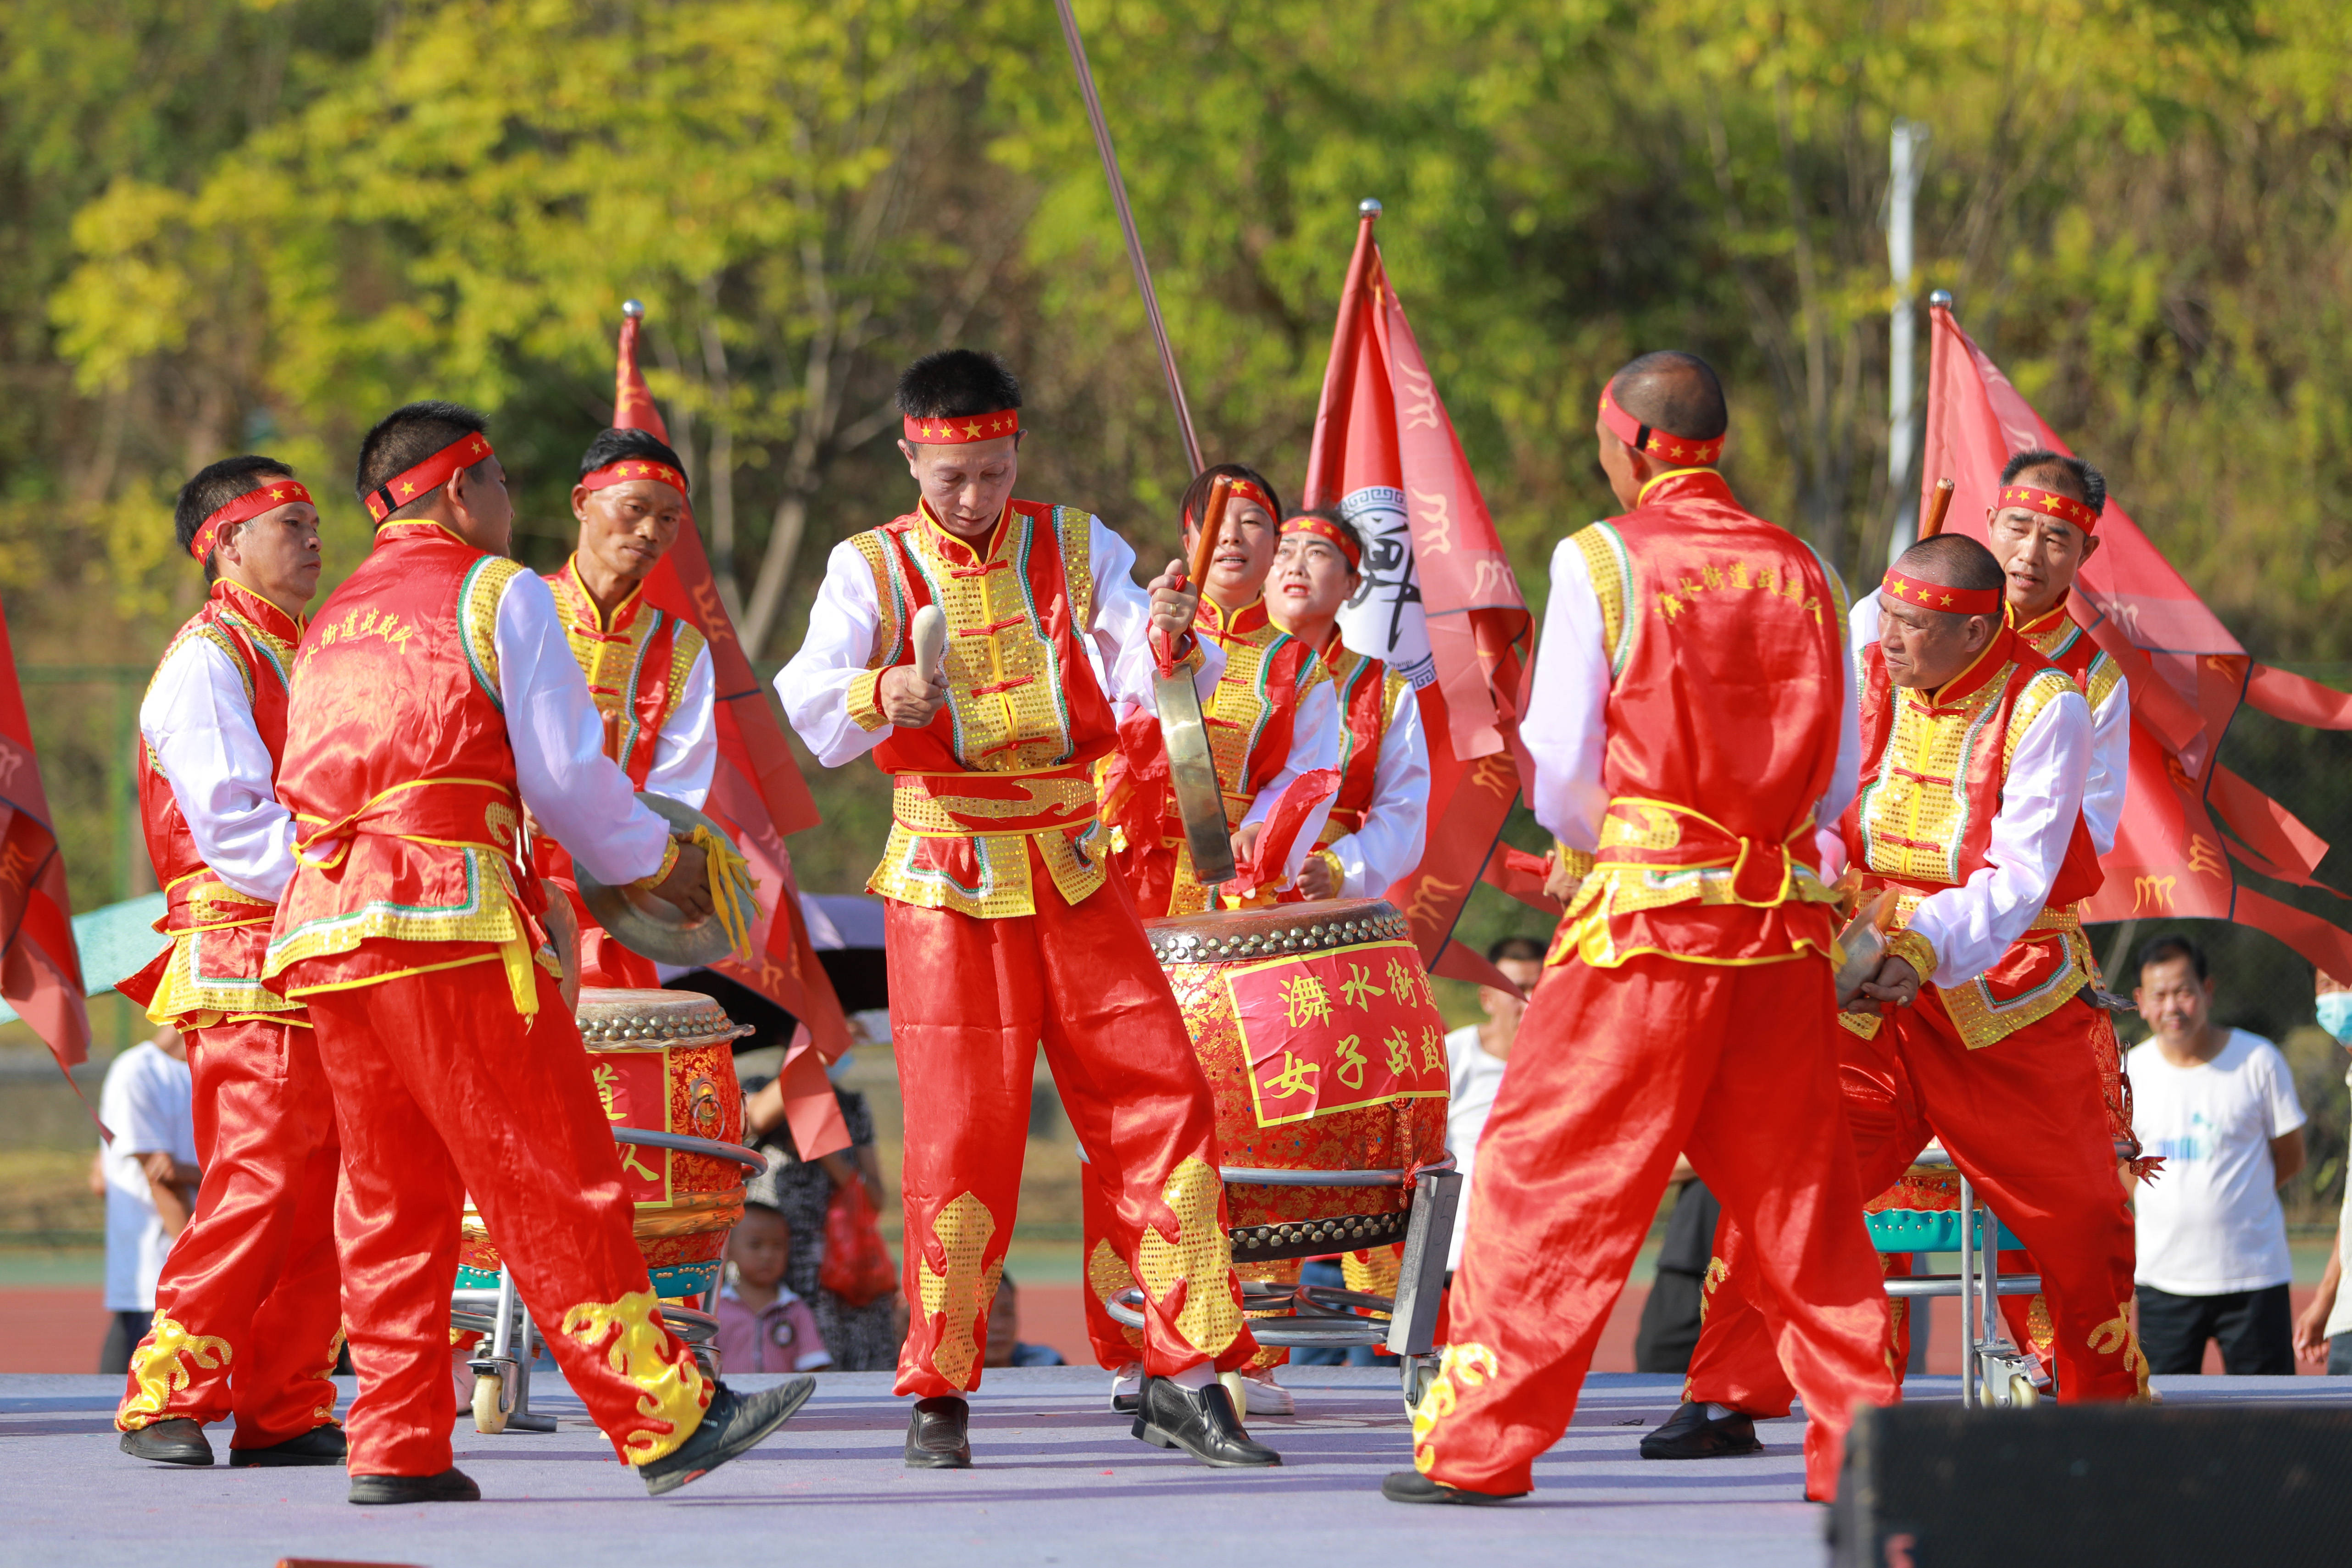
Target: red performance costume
{"x":433,"y":700}
{"x":1971,"y":811}
{"x":1689,"y":721}
{"x":248,"y":1313}
{"x":1004,"y":928}
{"x":648,"y":673}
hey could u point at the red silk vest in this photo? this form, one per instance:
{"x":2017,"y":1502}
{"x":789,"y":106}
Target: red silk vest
{"x":1366,"y":692}
{"x":212,"y":968}
{"x":1725,"y":639}
{"x":1006,"y":764}
{"x":2060,"y":638}
{"x":400,"y":776}
{"x":1932,"y":774}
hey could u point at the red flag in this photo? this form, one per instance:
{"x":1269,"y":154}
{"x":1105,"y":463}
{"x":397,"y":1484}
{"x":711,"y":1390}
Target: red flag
{"x":1441,"y":603}
{"x":757,"y":793}
{"x":2188,"y":676}
{"x":40,"y":969}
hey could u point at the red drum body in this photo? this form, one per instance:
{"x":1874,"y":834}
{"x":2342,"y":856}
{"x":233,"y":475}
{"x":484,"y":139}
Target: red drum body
{"x":1324,"y":1049}
{"x":663,"y":1062}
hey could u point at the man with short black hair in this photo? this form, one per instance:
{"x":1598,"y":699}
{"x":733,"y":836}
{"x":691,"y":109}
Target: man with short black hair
{"x":2218,"y":1107}
{"x":247,"y":1318}
{"x":648,"y":672}
{"x":434,"y":703}
{"x":1005,"y":926}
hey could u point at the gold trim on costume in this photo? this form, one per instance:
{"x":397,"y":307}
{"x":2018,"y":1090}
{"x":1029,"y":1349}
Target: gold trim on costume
{"x":960,"y":1295}
{"x":158,"y":1368}
{"x":672,"y":1393}
{"x":1462,"y":1367}
{"x":1199,"y":1257}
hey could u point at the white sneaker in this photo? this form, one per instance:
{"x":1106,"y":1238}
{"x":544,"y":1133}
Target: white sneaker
{"x":1264,"y":1395}
{"x":1126,"y":1389}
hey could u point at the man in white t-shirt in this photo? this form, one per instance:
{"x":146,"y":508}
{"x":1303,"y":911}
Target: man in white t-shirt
{"x":2219,"y":1106}
{"x":1475,"y":1056}
{"x":2324,"y":1333}
{"x":149,"y":1168}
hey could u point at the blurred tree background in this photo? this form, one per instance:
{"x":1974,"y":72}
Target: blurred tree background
{"x":258,"y":224}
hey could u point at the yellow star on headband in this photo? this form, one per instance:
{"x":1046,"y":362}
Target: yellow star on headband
{"x":407,"y":487}
{"x":1948,"y":598}
{"x":277,"y":495}
{"x":972,"y":432}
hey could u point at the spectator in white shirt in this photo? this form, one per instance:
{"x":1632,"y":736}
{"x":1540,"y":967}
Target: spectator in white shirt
{"x":2219,"y":1106}
{"x":2324,"y":1333}
{"x":149,"y":1168}
{"x":1475,"y":1055}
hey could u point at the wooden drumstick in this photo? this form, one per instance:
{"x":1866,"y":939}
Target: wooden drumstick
{"x":1938,"y":505}
{"x":929,"y":638}
{"x":1212,"y":528}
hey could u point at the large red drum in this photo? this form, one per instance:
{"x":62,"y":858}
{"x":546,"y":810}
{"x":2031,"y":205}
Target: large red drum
{"x":1323,"y":1047}
{"x":662,"y":1062}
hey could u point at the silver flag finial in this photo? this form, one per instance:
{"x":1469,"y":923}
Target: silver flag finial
{"x":1941,"y":298}
{"x":1369,"y":207}
{"x":633,"y":307}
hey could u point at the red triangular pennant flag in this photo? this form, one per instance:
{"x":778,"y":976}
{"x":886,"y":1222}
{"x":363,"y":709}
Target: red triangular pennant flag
{"x":2188,"y":676}
{"x":1442,"y":606}
{"x":757,"y":793}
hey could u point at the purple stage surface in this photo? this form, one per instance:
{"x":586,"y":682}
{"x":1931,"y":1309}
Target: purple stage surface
{"x":1058,"y":1479}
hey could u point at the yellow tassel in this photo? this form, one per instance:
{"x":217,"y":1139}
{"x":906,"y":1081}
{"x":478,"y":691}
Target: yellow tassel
{"x":732,"y":890}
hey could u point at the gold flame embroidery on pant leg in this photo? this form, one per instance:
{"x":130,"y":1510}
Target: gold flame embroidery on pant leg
{"x":672,"y":1393}
{"x":962,"y":1294}
{"x":157,"y":1367}
{"x":324,"y":1415}
{"x":1200,"y":1258}
{"x":1468,"y":1365}
{"x":2115,"y":1337}
{"x":1107,"y":1277}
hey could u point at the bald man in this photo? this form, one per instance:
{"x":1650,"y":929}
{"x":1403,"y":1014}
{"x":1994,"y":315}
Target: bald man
{"x":1976,"y":1029}
{"x":1693,"y":719}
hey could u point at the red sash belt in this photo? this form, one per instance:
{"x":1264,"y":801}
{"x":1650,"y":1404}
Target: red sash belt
{"x":456,"y":813}
{"x":1659,"y":834}
{"x":955,"y":806}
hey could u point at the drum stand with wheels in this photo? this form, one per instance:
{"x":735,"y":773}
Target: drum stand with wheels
{"x":1309,"y":1317}
{"x":501,"y":1367}
{"x":1993,"y":1371}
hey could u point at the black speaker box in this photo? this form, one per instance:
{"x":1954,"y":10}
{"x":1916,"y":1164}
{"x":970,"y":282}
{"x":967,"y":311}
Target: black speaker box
{"x":2202,"y":1485}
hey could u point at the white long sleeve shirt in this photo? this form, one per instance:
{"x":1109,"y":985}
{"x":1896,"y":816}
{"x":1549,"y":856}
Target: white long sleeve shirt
{"x":845,"y":620}
{"x":1396,"y":824}
{"x":198,"y":721}
{"x":2110,"y":776}
{"x":579,"y":794}
{"x":1567,"y":733}
{"x":685,"y":754}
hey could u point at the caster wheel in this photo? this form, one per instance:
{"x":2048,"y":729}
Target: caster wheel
{"x":1419,"y":1373}
{"x":489,"y":1403}
{"x":2022,"y":1390}
{"x":1236,"y":1392}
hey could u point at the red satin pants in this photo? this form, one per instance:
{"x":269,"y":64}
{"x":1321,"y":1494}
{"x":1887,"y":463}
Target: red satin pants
{"x":247,"y":1315}
{"x":1615,"y":1071}
{"x":971,"y":999}
{"x":442,"y":1090}
{"x":2026,"y":1119}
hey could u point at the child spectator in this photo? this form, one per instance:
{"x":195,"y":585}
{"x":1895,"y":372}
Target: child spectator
{"x":148,"y":1104}
{"x":762,"y":1325}
{"x":1004,"y":1344}
{"x":2218,"y":1107}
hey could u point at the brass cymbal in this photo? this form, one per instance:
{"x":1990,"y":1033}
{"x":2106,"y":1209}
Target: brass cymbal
{"x":651,"y":926}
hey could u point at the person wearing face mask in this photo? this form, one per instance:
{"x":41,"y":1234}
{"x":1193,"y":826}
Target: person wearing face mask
{"x":1003,"y":924}
{"x":648,"y":671}
{"x":2324,"y":1331}
{"x":1380,"y":818}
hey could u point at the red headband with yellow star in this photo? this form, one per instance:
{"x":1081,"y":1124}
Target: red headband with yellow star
{"x":1243,"y":490}
{"x":963,"y":431}
{"x":1321,"y":528}
{"x":1677,"y":450}
{"x":426,"y":477}
{"x":2048,"y":503}
{"x":277,"y":493}
{"x":626,"y":469}
{"x":1914,"y":589}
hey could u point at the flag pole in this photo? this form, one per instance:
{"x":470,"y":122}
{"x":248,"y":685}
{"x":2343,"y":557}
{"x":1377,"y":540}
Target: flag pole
{"x":1127,"y":226}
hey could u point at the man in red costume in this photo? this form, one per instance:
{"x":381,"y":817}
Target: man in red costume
{"x":1692,"y":721}
{"x":247,"y":1315}
{"x":435,"y":702}
{"x":1270,"y":717}
{"x":2002,"y":1057}
{"x":1003,"y":925}
{"x":648,"y":672}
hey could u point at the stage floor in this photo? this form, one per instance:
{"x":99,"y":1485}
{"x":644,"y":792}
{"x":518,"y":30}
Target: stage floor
{"x":1059,"y":1480}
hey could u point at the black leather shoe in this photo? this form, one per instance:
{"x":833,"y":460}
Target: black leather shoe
{"x":1412,"y":1486}
{"x":178,"y":1441}
{"x":1200,"y":1421}
{"x":734,"y":1423}
{"x":319,"y":1446}
{"x":452,"y":1485}
{"x":939,"y":1435}
{"x":1687,"y":1434}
